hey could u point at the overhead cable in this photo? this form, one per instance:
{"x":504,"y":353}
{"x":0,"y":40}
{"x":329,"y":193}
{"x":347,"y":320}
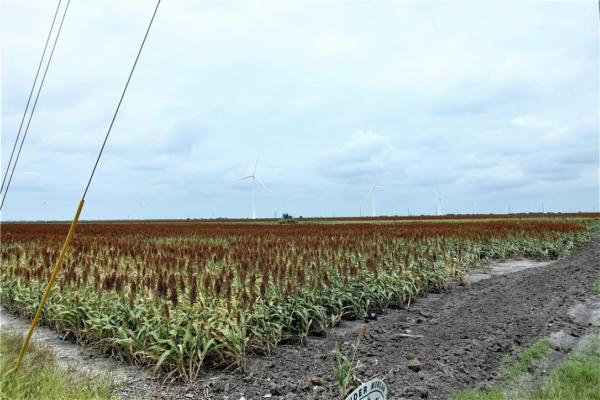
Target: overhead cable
{"x":30,"y":94}
{"x":35,"y":103}
{"x":120,"y":101}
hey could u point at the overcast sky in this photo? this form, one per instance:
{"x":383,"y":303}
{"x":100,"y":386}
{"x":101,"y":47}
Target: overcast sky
{"x":493,"y":104}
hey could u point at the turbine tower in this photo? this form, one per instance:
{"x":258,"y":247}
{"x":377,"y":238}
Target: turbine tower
{"x":254,"y":179}
{"x":439,"y":202}
{"x":45,"y":205}
{"x":371,"y":193}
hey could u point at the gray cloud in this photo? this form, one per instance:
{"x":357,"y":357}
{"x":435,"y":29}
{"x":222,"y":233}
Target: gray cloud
{"x":418,"y":97}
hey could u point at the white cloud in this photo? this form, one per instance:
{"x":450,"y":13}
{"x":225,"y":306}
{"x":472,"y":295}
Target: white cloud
{"x":330,"y":45}
{"x":365,"y":156}
{"x":530,"y":121}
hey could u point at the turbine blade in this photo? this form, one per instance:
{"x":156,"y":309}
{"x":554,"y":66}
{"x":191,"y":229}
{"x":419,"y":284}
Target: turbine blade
{"x":259,"y":181}
{"x":246,"y":177}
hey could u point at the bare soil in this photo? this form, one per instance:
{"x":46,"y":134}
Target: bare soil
{"x":458,"y":337}
{"x":465,"y":333}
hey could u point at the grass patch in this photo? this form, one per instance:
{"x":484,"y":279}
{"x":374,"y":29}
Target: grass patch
{"x":597,"y":285}
{"x":577,"y":377}
{"x":480,"y":395}
{"x":529,"y":357}
{"x":39,"y":376}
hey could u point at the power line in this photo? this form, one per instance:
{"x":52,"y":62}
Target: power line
{"x":35,"y":103}
{"x":30,"y":94}
{"x":120,"y":101}
{"x":78,"y":212}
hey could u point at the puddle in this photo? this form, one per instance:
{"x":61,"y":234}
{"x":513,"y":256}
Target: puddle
{"x":506,"y":267}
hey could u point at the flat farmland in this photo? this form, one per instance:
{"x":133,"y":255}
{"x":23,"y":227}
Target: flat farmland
{"x":183,"y":297}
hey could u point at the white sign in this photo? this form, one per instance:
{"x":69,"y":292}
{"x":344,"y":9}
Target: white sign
{"x":372,"y":390}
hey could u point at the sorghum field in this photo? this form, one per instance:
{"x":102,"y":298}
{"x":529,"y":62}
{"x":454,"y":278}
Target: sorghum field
{"x":187,"y":295}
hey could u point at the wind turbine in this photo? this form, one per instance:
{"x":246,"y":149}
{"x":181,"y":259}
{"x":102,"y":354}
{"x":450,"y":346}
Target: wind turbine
{"x":371,"y":193}
{"x":45,"y":205}
{"x":254,"y":179}
{"x":439,"y":202}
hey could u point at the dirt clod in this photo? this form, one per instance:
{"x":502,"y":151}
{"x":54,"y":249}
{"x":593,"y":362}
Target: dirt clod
{"x":414,"y":365}
{"x":317,"y":381}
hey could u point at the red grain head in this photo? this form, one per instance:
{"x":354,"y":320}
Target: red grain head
{"x":361,"y":332}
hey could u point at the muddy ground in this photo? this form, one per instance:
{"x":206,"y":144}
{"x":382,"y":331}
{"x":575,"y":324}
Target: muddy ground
{"x":458,"y":337}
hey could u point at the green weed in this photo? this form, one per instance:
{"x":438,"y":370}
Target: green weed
{"x":344,"y":368}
